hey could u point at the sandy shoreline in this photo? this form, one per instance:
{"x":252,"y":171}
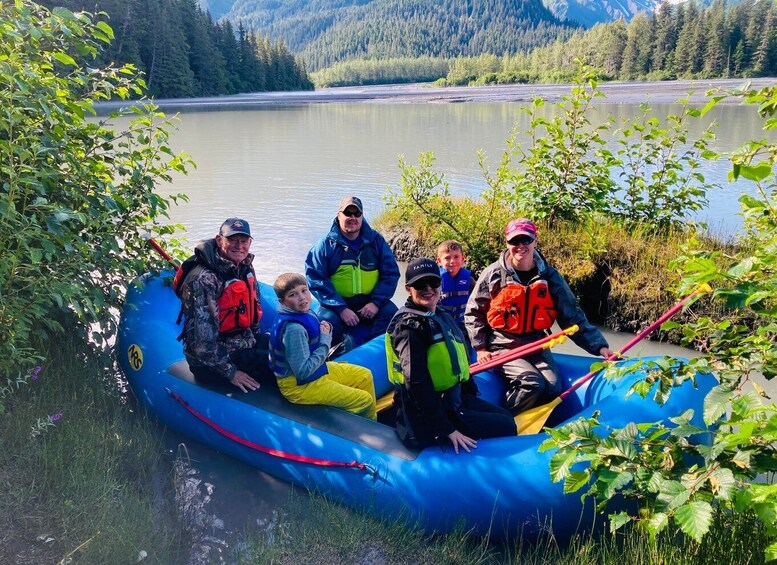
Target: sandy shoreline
{"x":663,"y":92}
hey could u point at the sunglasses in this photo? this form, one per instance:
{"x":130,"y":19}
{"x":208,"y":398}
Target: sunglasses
{"x":351,"y":213}
{"x":521,"y":240}
{"x":421,"y":284}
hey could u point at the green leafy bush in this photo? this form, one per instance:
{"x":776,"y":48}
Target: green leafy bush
{"x":677,"y":480}
{"x":76,"y":194}
{"x":650,"y":180}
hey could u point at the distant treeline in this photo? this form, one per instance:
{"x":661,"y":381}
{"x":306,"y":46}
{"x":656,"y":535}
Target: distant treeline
{"x":184,"y":53}
{"x":382,"y":71}
{"x":679,"y":41}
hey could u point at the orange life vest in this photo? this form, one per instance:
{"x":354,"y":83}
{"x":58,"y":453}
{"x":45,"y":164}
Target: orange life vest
{"x":520,"y":309}
{"x":239,"y":308}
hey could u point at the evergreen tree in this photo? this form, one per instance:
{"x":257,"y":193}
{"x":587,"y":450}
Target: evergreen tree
{"x":662,"y":59}
{"x":638,"y":49}
{"x":765,"y":55}
{"x":716,"y":53}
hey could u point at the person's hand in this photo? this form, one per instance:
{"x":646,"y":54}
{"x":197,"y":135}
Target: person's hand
{"x":326,"y":327}
{"x":349,"y":317}
{"x":483,"y":355}
{"x":244,"y":382}
{"x":606,"y":352}
{"x":458,"y":439}
{"x":368,"y":311}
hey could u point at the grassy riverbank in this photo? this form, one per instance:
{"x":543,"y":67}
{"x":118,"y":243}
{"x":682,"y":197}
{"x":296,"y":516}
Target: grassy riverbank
{"x":324,"y":533}
{"x":82,"y":472}
{"x":622,"y":278}
{"x":94,"y":486}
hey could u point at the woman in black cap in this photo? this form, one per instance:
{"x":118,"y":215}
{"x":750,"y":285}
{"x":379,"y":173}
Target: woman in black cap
{"x":436,"y":399}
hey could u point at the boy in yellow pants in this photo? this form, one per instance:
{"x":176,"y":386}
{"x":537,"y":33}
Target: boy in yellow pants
{"x":299,"y":345}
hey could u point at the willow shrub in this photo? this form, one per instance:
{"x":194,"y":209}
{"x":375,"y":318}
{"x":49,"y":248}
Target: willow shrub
{"x":679,"y":481}
{"x":641,"y":173}
{"x":76,"y":195}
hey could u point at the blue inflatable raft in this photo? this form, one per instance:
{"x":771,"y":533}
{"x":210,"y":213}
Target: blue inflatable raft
{"x":503,"y":488}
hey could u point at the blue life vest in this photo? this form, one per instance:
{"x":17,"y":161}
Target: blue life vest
{"x":278,"y":353}
{"x":455,"y":292}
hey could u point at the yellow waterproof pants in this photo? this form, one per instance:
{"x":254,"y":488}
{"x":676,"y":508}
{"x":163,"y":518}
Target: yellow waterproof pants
{"x":345,"y":386}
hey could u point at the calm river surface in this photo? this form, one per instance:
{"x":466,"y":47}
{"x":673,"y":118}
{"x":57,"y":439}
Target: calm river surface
{"x":284,"y":168}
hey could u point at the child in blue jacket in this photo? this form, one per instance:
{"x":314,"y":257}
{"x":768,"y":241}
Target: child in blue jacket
{"x":299,"y":345}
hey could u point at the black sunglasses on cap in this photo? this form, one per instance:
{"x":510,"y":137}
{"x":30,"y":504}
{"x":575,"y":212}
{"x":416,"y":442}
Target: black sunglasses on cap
{"x":421,"y":284}
{"x":352,"y":213}
{"x":521,"y":240}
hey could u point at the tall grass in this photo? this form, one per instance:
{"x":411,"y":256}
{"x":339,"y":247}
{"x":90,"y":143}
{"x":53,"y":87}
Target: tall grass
{"x":321,"y":532}
{"x":82,"y":489}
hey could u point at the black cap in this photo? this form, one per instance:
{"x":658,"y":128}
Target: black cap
{"x":350,"y":201}
{"x":234,"y":226}
{"x":420,"y":268}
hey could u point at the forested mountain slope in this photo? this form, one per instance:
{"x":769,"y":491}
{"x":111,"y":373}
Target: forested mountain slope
{"x":182,"y":52}
{"x":325,"y":32}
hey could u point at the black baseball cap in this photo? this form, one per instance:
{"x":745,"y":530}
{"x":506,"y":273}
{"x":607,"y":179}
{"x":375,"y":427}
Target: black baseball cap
{"x":418,"y":269}
{"x":234,"y":226}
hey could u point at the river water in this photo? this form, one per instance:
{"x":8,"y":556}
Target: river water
{"x":284,"y":168}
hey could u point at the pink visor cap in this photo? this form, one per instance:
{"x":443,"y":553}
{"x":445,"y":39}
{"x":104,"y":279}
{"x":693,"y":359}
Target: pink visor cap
{"x":521,"y":226}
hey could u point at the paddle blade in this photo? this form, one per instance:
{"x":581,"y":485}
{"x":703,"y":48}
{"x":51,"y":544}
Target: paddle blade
{"x":385,"y":401}
{"x":533,"y":420}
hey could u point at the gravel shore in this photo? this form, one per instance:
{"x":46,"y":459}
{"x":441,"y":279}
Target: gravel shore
{"x":663,"y":92}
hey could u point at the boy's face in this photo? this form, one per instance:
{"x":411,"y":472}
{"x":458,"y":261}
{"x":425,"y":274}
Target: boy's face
{"x":298,"y":298}
{"x":451,"y":261}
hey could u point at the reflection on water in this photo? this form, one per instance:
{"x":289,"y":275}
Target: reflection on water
{"x":285,"y":168}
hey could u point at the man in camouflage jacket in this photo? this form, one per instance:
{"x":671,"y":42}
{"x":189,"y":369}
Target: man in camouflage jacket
{"x":239,"y":354}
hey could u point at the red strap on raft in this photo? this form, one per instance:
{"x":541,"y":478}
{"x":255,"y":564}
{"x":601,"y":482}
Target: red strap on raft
{"x":267,"y":450}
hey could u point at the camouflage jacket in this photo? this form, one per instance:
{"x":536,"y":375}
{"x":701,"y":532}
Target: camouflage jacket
{"x":204,"y":346}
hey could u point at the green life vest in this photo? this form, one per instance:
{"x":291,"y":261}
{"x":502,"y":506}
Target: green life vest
{"x":446,"y":358}
{"x":358,"y":272}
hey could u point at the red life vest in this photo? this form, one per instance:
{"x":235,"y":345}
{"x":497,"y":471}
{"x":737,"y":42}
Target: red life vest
{"x":239,"y":306}
{"x":520,"y":309}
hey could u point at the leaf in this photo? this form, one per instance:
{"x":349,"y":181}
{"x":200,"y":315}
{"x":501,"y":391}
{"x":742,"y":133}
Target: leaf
{"x":621,"y":480}
{"x":723,"y":483}
{"x":575,"y":480}
{"x":672,"y":494}
{"x":756,"y":173}
{"x":695,"y":518}
{"x":105,"y":28}
{"x":65,"y":59}
{"x":715,"y":403}
{"x":771,"y":552}
{"x":657,"y":523}
{"x":618,"y":520}
{"x":560,"y":464}
{"x":742,"y":268}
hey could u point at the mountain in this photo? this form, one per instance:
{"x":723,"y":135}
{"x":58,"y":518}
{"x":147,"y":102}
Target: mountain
{"x":324,"y":32}
{"x":592,"y":12}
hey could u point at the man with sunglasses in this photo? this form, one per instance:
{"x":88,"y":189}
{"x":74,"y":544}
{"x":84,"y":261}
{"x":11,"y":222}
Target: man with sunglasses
{"x":353,"y":274}
{"x":435,"y":396}
{"x":516,"y":301}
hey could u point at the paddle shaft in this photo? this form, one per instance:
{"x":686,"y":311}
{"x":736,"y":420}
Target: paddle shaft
{"x":163,"y":253}
{"x":520,"y":351}
{"x":633,"y":341}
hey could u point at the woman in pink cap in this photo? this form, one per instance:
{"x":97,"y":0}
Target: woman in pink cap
{"x":516,"y":301}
